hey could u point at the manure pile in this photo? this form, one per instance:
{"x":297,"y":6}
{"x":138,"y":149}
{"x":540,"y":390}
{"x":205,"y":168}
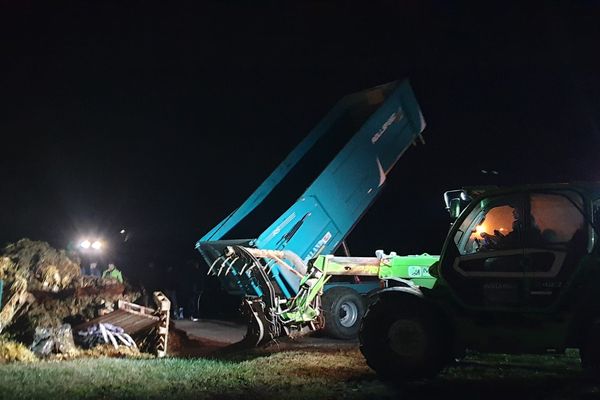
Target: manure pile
{"x":44,"y":288}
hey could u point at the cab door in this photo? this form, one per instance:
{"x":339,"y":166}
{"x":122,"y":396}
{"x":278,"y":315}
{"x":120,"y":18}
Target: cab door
{"x":484,"y":261}
{"x":557,"y":238}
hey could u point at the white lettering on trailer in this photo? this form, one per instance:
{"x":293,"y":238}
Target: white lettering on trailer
{"x":397,"y":116}
{"x":318,"y":246}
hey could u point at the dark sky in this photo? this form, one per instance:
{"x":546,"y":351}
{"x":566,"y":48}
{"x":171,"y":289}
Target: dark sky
{"x":163,"y":118}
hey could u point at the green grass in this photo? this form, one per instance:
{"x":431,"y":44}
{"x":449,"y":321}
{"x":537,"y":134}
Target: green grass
{"x":286,"y":375}
{"x":292,"y":375}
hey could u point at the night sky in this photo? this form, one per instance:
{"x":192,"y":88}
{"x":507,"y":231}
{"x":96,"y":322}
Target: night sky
{"x":162,"y":119}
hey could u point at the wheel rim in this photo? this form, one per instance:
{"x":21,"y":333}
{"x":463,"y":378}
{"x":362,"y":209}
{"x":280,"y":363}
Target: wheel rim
{"x":407,"y":338}
{"x":348,"y":314}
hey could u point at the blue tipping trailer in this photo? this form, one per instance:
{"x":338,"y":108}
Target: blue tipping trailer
{"x":377,"y":126}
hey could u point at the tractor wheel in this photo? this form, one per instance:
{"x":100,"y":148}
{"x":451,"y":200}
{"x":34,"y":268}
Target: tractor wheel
{"x":590,"y":353}
{"x":343,"y":309}
{"x":403,"y":341}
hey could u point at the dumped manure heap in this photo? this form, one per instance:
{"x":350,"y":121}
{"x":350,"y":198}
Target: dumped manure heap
{"x":44,"y":289}
{"x":11,"y":351}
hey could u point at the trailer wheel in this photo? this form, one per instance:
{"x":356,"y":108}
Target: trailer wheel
{"x":343,"y":308}
{"x":402,"y":341}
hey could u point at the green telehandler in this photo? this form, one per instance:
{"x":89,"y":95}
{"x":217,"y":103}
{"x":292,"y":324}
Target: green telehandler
{"x":519,"y":272}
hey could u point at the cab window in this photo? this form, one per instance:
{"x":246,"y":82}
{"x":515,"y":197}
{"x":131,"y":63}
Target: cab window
{"x":494,"y":224}
{"x":556,"y":219}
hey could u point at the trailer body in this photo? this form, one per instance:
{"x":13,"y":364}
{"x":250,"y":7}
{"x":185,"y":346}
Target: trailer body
{"x":381,"y":123}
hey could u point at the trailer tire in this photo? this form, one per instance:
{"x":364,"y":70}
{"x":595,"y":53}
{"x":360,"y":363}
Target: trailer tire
{"x":402,"y":340}
{"x":343,"y":308}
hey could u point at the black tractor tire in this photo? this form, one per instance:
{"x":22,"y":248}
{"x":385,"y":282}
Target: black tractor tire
{"x":403,"y":340}
{"x":590,"y":353}
{"x":343,"y":308}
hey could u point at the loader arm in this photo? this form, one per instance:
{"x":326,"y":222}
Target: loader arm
{"x":271,"y":315}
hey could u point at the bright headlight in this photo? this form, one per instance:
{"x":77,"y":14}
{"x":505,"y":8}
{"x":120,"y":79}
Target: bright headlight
{"x":97,"y":245}
{"x":85,"y":244}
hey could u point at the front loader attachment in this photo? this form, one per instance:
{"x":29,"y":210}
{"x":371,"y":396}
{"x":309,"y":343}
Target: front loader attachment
{"x":268,"y":312}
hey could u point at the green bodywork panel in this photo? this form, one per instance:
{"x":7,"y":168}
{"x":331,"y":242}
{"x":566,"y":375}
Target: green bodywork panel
{"x":411,"y":267}
{"x":415,"y":268}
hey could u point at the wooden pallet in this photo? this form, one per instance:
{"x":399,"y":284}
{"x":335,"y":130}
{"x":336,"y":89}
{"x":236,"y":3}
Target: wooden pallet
{"x":131,"y":323}
{"x":134,"y":318}
{"x":164,"y":309}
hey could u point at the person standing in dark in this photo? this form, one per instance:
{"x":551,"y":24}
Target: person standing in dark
{"x":193,"y":288}
{"x":149,"y":283}
{"x":92,"y":270}
{"x":170,"y":284}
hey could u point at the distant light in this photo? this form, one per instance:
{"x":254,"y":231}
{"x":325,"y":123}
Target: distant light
{"x":493,"y":172}
{"x":97,"y":245}
{"x":85,"y":244}
{"x":122,"y":231}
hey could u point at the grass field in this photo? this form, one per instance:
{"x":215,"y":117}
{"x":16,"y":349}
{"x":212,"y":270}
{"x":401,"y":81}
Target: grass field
{"x":291,"y":375}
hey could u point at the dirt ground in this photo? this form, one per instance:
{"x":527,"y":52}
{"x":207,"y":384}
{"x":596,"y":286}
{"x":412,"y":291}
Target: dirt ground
{"x":184,"y":346}
{"x":215,"y":338}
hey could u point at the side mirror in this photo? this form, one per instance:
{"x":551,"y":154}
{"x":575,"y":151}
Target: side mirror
{"x":456,"y":201}
{"x":454,"y":208}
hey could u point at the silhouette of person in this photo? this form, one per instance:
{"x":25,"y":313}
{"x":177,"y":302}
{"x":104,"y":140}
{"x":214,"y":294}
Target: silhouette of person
{"x":498,"y":240}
